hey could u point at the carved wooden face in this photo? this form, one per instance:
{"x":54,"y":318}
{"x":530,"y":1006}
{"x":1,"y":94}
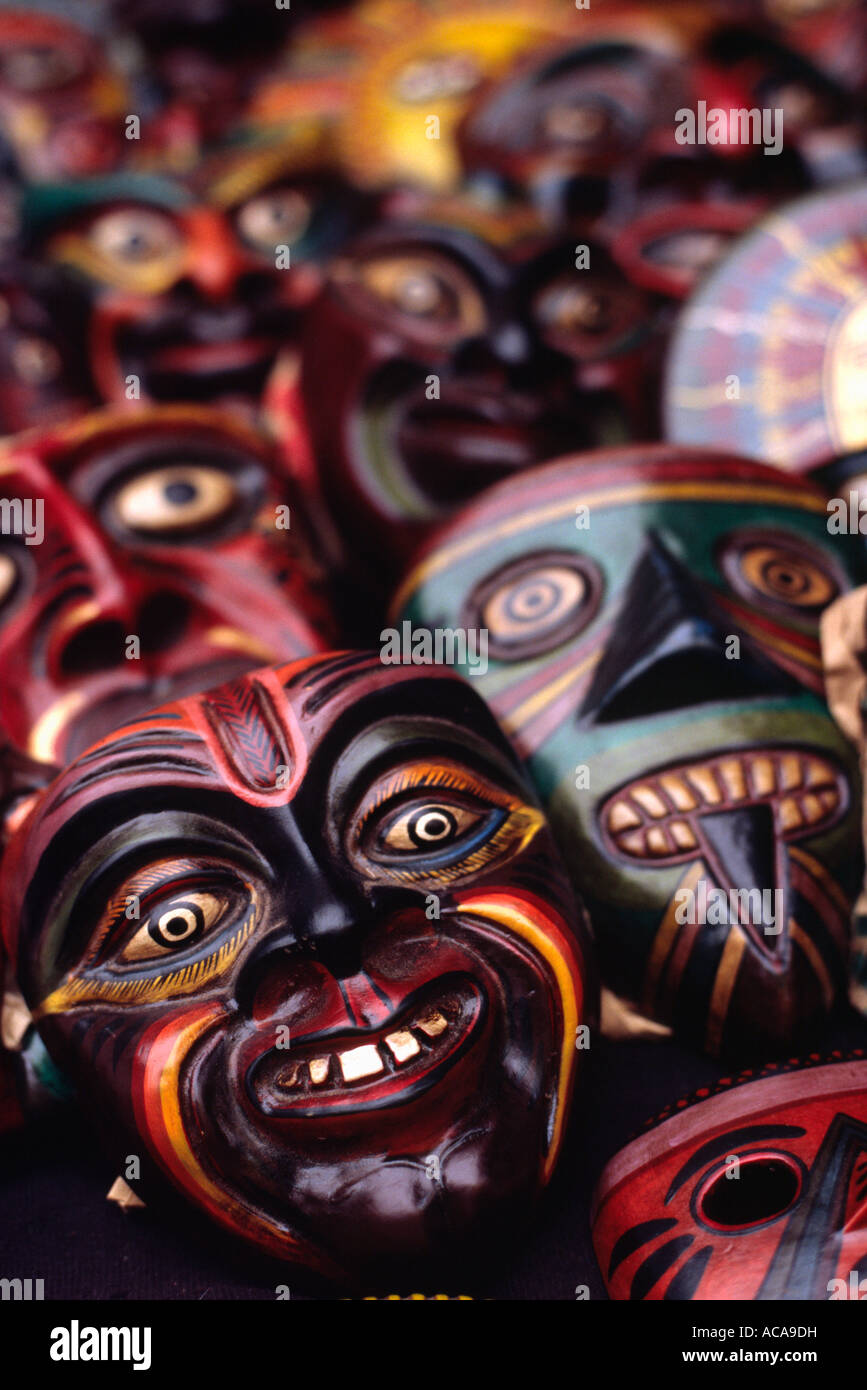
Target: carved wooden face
{"x":343,"y":1021}
{"x":61,"y":106}
{"x":166,"y":527}
{"x":434,"y":364}
{"x":191,"y":301}
{"x":755,"y":1194}
{"x":572,"y":117}
{"x":653,"y":652}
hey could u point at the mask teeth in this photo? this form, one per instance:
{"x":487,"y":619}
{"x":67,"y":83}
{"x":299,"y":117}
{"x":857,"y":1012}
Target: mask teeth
{"x":354,"y":1064}
{"x":654,"y":818}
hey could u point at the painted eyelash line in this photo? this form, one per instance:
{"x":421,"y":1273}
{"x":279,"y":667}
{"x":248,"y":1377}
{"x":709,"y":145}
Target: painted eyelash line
{"x":152,"y":988}
{"x":144,"y":886}
{"x":423,"y":775}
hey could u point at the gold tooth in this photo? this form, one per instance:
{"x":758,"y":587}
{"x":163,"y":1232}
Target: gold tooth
{"x":791,"y":772}
{"x":704,"y":782}
{"x":657,"y":841}
{"x":402,"y":1045}
{"x":633,"y":843}
{"x":816,"y":772}
{"x":360,"y":1062}
{"x":734,"y":778}
{"x":829,"y":799}
{"x":622,"y":816}
{"x":682,"y":834}
{"x":432,"y":1024}
{"x":290,"y":1077}
{"x":811,"y":808}
{"x":319,"y":1070}
{"x":763,"y":775}
{"x":678,"y":792}
{"x":790,"y":814}
{"x":649,"y":800}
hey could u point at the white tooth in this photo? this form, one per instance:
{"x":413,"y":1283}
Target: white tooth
{"x":402,"y":1045}
{"x":319,"y":1070}
{"x":361,"y":1061}
{"x":432,"y":1024}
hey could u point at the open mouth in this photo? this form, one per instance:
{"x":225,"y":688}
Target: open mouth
{"x":659,"y":817}
{"x":368,"y":1069}
{"x":474,"y":433}
{"x":200,"y":360}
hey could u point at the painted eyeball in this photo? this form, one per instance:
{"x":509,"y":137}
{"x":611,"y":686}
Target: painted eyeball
{"x":274,"y":219}
{"x":422,"y":291}
{"x":174,"y":925}
{"x":176,"y":500}
{"x":39,"y":68}
{"x":8,"y":577}
{"x":536,"y":604}
{"x":430,"y":826}
{"x":36,"y":361}
{"x":587,"y":318}
{"x":772,"y":571}
{"x":762,"y":1188}
{"x":577,"y":124}
{"x":130,"y":237}
{"x":435,"y":821}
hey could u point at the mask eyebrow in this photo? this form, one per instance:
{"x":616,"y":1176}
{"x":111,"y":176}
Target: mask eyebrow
{"x":726,"y":1142}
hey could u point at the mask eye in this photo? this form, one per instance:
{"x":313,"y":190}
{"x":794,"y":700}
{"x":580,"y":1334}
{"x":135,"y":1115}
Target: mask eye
{"x":426,"y":292}
{"x":177,"y":500}
{"x":767,"y":1186}
{"x":274,"y":219}
{"x":173,"y":926}
{"x":8,"y":577}
{"x":578,"y":124}
{"x":536,"y":604}
{"x":36,"y":361}
{"x":436,"y":821}
{"x":586,"y":317}
{"x":776,"y":572}
{"x":134,"y":237}
{"x":428,"y":827}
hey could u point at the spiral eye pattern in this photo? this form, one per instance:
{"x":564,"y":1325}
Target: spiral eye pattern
{"x":773,"y":571}
{"x":174,"y":926}
{"x":537,"y":604}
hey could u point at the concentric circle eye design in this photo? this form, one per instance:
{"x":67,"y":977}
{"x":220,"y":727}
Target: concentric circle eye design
{"x":274,"y":219}
{"x":428,"y":827}
{"x":175,"y":500}
{"x":423,"y":291}
{"x":174,"y":925}
{"x":435,"y":822}
{"x":779,"y":572}
{"x":536,"y":604}
{"x":763,"y":1188}
{"x":134,"y":237}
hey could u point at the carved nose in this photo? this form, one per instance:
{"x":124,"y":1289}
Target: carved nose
{"x":669,"y":651}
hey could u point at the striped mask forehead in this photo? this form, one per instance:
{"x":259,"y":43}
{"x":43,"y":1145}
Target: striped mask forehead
{"x":544,"y":506}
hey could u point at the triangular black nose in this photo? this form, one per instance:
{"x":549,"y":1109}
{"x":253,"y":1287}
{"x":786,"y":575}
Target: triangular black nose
{"x":668,"y":650}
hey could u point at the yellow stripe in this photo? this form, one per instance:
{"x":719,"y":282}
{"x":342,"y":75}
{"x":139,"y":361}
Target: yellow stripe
{"x":800,"y":938}
{"x":517,"y":922}
{"x":724,"y":983}
{"x":534,"y":703}
{"x":691,"y":491}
